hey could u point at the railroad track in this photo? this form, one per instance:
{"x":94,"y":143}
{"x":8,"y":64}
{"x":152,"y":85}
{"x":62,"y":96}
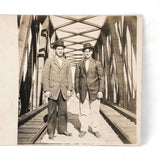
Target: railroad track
{"x":122,"y":122}
{"x":31,"y":126}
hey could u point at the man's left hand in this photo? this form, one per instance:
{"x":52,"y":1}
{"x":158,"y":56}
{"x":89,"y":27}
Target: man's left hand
{"x":99,"y":95}
{"x":68,"y":93}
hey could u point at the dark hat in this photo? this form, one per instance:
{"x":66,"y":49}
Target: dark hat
{"x":87,"y":46}
{"x":58,"y":43}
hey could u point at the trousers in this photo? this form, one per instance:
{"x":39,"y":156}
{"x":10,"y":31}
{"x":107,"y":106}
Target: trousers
{"x":57,"y":114}
{"x":89,"y":115}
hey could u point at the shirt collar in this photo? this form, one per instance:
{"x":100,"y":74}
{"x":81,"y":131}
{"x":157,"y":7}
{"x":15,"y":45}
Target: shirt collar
{"x":87,"y":59}
{"x":58,"y":57}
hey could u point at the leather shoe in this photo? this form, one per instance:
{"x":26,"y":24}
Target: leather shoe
{"x":66,"y":133}
{"x":82,"y":133}
{"x":51,"y":136}
{"x":97,"y":134}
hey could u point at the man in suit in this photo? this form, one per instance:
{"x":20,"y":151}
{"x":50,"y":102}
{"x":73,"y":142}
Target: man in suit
{"x":89,"y":87}
{"x":57,"y":86}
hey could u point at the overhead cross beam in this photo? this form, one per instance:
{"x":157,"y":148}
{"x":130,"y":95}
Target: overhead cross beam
{"x":91,"y":24}
{"x":79,"y":35}
{"x":90,"y":38}
{"x":74,"y":20}
{"x":66,"y":24}
{"x":73,"y":51}
{"x":79,"y":42}
{"x":73,"y":48}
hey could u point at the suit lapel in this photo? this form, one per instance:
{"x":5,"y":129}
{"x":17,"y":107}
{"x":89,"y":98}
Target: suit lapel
{"x":56,"y":62}
{"x":63,"y":63}
{"x":83,"y":66}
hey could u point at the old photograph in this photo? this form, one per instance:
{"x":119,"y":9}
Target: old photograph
{"x":79,"y":79}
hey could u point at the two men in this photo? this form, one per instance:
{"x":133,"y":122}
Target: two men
{"x":89,"y":87}
{"x":57,"y":86}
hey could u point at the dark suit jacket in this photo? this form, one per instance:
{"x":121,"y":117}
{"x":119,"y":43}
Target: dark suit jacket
{"x":91,"y":81}
{"x":56,"y":78}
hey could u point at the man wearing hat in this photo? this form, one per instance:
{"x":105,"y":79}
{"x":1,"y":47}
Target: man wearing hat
{"x":89,"y":87}
{"x":57,"y":86}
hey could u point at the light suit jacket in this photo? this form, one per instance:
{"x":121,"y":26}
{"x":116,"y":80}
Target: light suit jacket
{"x":56,"y":77}
{"x":91,"y":81}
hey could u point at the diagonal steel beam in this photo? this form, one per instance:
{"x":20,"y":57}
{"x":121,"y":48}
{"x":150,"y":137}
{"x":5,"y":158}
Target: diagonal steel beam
{"x":75,"y":19}
{"x":80,"y":33}
{"x":82,"y":20}
{"x":91,"y":24}
{"x":73,"y":42}
{"x":66,"y":24}
{"x":79,"y":42}
{"x":71,"y":48}
{"x":89,"y":37}
{"x":71,"y":45}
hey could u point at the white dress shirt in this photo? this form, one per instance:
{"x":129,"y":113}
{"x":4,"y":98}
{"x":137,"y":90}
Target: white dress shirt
{"x":59,"y":60}
{"x":87,"y":64}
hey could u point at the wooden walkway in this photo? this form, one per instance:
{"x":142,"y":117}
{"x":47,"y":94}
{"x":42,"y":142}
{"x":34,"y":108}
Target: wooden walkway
{"x":31,"y":128}
{"x":108,"y":136}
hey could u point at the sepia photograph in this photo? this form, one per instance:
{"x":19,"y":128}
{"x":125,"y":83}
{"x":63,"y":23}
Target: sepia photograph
{"x":79,"y":79}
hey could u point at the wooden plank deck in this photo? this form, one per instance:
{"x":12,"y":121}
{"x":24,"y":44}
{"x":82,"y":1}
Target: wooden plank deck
{"x":29,"y":131}
{"x":108,"y":136}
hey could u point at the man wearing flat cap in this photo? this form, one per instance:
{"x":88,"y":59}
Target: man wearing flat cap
{"x":89,"y":87}
{"x":57,"y":86}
